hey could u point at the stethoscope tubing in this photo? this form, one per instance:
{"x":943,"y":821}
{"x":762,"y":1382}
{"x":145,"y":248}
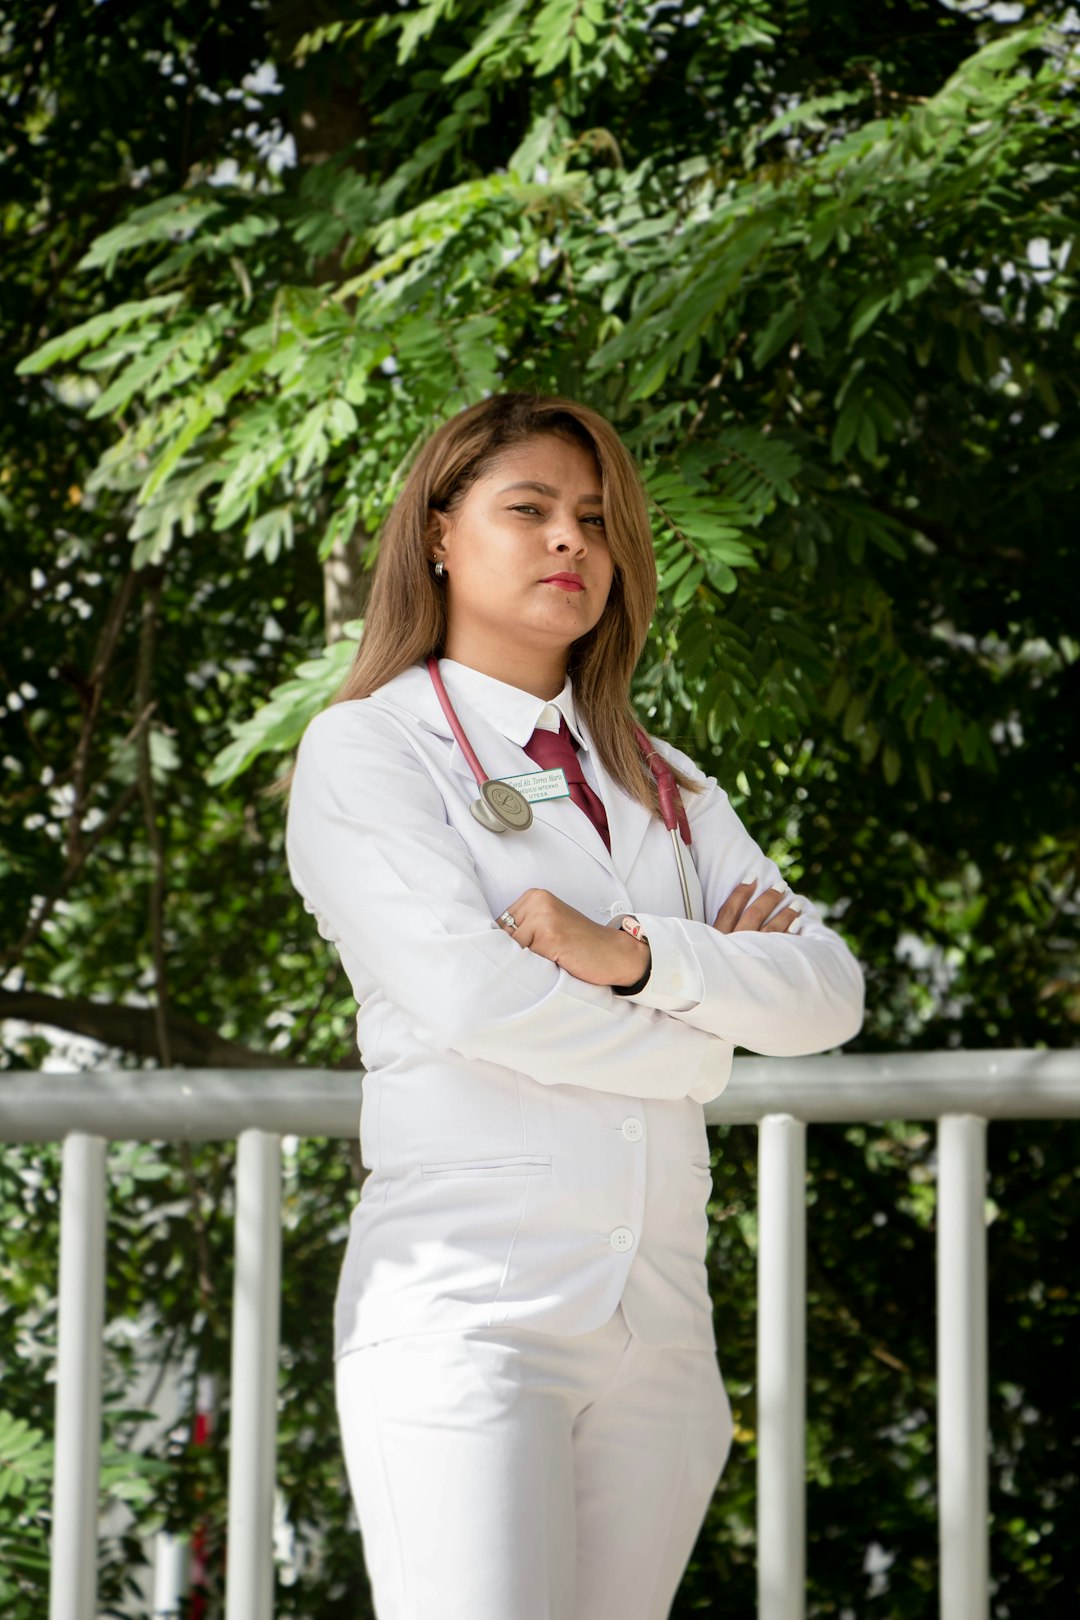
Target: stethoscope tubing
{"x":455,"y":724}
{"x":688,"y":909}
{"x":672,"y":808}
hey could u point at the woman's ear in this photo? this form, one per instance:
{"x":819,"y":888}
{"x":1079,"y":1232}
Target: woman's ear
{"x":435,"y":534}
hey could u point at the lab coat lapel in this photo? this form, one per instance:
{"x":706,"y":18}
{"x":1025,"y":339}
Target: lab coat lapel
{"x":501,"y":757}
{"x":628,"y":820}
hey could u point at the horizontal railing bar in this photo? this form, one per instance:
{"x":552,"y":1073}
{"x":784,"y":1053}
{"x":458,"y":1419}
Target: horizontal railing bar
{"x":217,"y":1104}
{"x":841,"y":1088}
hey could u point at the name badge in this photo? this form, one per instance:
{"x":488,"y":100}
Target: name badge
{"x":535,"y":786}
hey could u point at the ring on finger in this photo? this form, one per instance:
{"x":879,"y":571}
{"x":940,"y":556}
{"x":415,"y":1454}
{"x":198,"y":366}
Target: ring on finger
{"x":508,"y":921}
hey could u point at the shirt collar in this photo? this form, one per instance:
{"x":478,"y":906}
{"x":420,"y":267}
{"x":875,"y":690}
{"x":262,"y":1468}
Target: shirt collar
{"x":513,"y":712}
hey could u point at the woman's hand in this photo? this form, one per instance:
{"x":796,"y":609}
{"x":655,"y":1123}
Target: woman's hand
{"x":598,"y":954}
{"x":589,"y":951}
{"x":735,"y":914}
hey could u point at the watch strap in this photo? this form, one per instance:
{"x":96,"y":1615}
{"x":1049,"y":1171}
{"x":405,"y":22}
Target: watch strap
{"x":630,"y":925}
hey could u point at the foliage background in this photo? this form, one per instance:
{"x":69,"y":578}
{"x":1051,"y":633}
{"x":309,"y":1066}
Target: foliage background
{"x":818,"y":264}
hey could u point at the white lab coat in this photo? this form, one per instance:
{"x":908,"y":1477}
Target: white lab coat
{"x":536,"y":1145}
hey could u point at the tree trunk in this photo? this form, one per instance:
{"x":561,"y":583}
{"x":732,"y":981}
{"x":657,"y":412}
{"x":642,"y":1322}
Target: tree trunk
{"x":326,"y":115}
{"x":345,"y":584}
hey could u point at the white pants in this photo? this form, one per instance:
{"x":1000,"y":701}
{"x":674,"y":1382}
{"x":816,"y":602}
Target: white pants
{"x":505,"y":1474}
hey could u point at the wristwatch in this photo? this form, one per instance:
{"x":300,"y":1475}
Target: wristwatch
{"x":630,"y":925}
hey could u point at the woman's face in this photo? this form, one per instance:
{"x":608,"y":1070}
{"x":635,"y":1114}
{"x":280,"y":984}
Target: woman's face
{"x":526,"y":557}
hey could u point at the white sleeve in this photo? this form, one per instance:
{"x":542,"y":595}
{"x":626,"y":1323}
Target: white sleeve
{"x":781,"y":995}
{"x":370,"y":849}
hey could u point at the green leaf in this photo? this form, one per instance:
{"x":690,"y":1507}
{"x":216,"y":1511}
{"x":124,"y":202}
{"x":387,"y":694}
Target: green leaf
{"x":687,"y":586}
{"x":853,"y":717}
{"x":847,"y":426}
{"x":499,"y":23}
{"x":837,"y":699}
{"x":91,"y":332}
{"x":868,"y":439}
{"x":675,"y":571}
{"x":270,"y":534}
{"x":278,"y":725}
{"x":866,"y":313}
{"x":418,"y":24}
{"x":26,"y":1460}
{"x":160,"y":221}
{"x":171,"y":458}
{"x":780,"y":330}
{"x":721,"y":577}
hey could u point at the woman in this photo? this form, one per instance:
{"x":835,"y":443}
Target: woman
{"x":532,"y":1410}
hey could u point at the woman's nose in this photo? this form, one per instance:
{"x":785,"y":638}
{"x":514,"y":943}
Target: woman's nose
{"x":567,"y":535}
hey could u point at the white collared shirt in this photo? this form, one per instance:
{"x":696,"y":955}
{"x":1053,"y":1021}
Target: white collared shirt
{"x":517,"y":713}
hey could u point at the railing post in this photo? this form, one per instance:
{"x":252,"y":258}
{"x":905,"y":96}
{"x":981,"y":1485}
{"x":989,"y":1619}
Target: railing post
{"x":171,"y":1566}
{"x":249,"y":1590}
{"x":962,"y":1401}
{"x":73,"y":1551}
{"x":781,"y":1368}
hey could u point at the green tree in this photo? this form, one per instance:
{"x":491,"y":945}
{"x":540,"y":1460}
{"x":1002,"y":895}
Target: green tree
{"x":818,"y":266}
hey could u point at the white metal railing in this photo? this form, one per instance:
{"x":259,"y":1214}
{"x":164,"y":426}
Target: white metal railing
{"x":961,"y":1090}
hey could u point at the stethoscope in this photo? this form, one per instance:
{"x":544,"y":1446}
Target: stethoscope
{"x":501,"y":808}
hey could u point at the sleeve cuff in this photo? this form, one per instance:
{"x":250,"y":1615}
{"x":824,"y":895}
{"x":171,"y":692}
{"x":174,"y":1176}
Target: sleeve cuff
{"x":675,"y":983}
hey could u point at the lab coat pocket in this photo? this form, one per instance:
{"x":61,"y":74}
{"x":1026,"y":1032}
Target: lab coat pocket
{"x":520,"y":1164}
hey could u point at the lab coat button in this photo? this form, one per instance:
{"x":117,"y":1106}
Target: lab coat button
{"x":633,"y":1129}
{"x":622,"y":1239}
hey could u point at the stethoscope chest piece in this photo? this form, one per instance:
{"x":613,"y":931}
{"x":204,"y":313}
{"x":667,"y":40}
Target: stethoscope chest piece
{"x":501,"y":808}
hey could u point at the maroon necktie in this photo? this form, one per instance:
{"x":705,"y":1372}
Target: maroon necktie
{"x":553,"y":750}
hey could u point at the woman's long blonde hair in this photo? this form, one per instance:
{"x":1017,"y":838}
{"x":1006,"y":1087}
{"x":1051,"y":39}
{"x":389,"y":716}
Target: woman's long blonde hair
{"x":406,"y":616}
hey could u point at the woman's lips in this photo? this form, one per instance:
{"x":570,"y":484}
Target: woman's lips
{"x":565,"y":582}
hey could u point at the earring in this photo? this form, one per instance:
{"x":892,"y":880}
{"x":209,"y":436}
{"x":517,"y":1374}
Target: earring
{"x":439,"y":569}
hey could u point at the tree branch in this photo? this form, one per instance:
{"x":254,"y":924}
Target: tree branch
{"x":144,"y":681}
{"x":144,"y":703}
{"x":95,"y":684}
{"x":43,"y":30}
{"x":134,"y":1029}
{"x":51,"y":901}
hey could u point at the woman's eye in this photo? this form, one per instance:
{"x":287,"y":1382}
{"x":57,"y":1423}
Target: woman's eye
{"x":595,"y":519}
